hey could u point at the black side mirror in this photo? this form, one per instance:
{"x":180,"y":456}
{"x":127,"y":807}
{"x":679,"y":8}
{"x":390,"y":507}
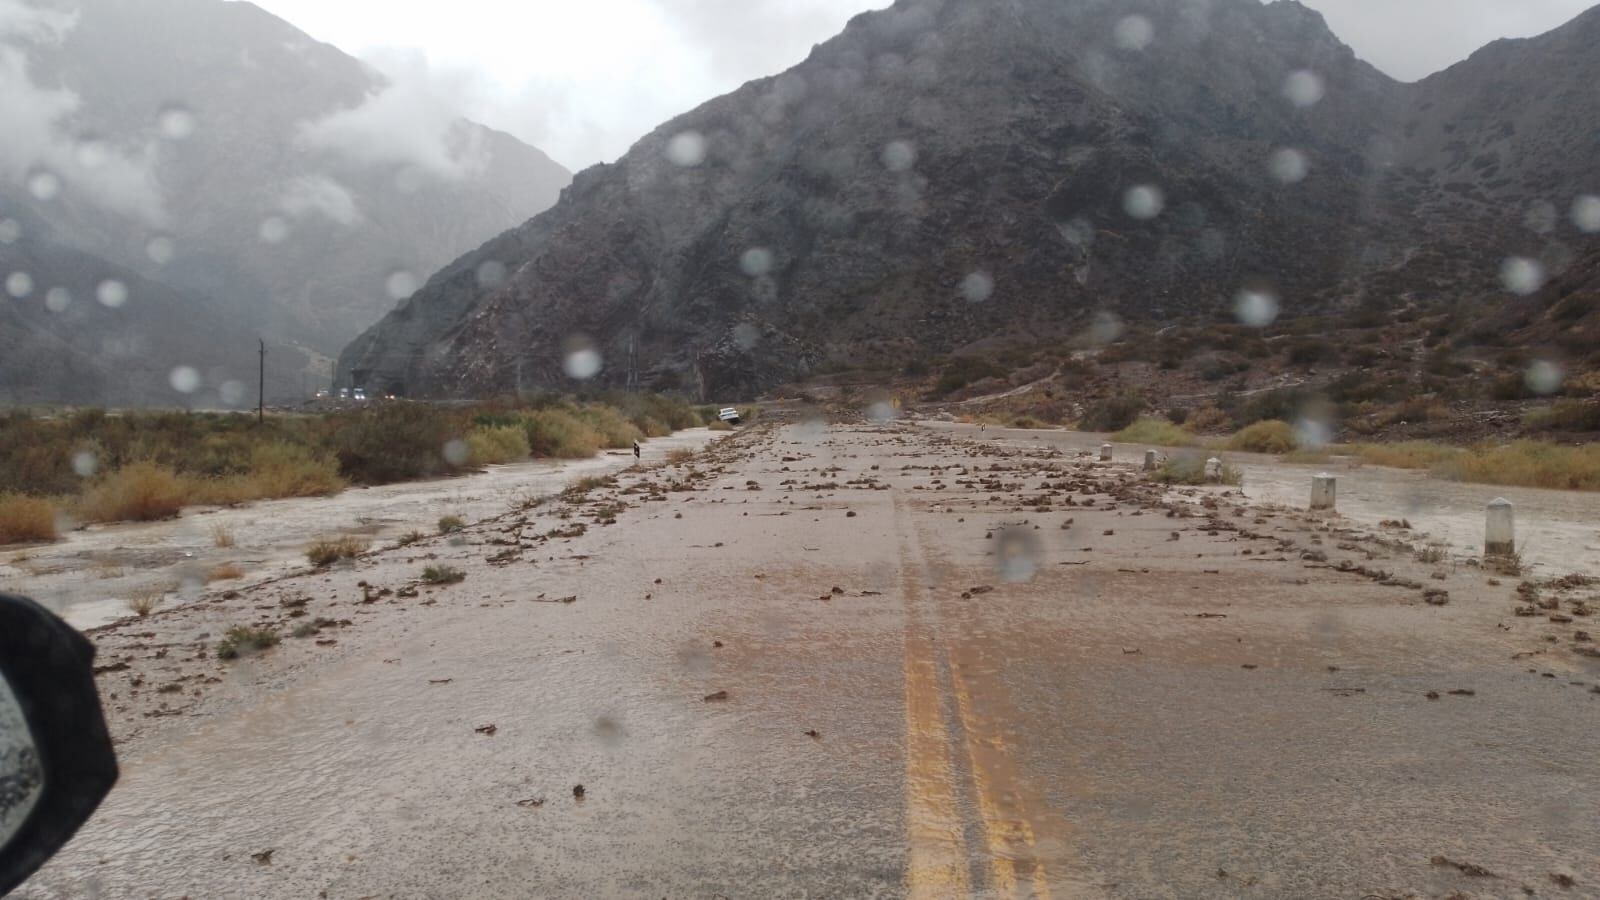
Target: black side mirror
{"x":56,"y":762}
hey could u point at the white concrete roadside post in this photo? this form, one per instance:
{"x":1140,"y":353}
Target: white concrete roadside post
{"x":1324,"y":491}
{"x":1150,"y":457}
{"x":1105,"y":453}
{"x":1213,"y":470}
{"x":1500,"y":531}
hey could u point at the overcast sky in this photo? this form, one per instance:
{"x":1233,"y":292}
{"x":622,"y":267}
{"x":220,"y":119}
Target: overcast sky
{"x":584,"y":80}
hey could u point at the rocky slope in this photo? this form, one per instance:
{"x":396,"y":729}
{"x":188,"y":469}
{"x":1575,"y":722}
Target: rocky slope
{"x":214,"y":150}
{"x":951,"y":171}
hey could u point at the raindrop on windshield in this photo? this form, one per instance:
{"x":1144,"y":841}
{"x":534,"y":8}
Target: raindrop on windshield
{"x":177,"y":122}
{"x":57,"y":299}
{"x":456,"y":452}
{"x":232,"y":392}
{"x":1544,"y":377}
{"x":687,"y":149}
{"x":491,"y":273}
{"x":899,"y":156}
{"x":10,"y":231}
{"x":1521,"y":275}
{"x":19,"y":284}
{"x":184,"y":379}
{"x":1134,"y":33}
{"x":44,"y":185}
{"x":160,"y":249}
{"x":756,"y":262}
{"x":581,"y":360}
{"x":746,"y":335}
{"x":1585,"y":213}
{"x":1104,"y":328}
{"x":400,"y":284}
{"x":1289,"y":166}
{"x":92,"y":153}
{"x":273,"y":230}
{"x":882,"y":410}
{"x":1143,"y":202}
{"x":84,"y":463}
{"x":111,"y":293}
{"x":977,"y":287}
{"x":1302,"y":88}
{"x":1016,"y":554}
{"x":1255,"y":308}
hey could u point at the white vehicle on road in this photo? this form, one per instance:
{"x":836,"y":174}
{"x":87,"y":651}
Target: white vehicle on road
{"x":729,"y":414}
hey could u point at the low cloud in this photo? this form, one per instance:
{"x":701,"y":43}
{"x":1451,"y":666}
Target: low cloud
{"x":408,"y":121}
{"x":39,"y":152}
{"x":321,"y":195}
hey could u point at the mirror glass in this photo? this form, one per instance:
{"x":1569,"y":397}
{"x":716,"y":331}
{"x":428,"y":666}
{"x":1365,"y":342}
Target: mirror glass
{"x":21,"y":776}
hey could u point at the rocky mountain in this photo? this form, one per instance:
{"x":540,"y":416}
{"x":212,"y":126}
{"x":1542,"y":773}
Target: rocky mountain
{"x":952,"y":171}
{"x":210,"y":150}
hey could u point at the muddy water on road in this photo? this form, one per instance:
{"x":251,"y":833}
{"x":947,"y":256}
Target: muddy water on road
{"x":1558,"y":532}
{"x":89,"y":576}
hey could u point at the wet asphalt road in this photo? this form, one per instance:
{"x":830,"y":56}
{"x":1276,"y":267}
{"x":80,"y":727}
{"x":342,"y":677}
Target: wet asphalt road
{"x":1144,"y":710}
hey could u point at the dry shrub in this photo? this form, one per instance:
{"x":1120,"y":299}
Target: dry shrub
{"x":719,"y":425}
{"x":1527,"y":464}
{"x":225,"y":572}
{"x":138,"y":492}
{"x":244,"y":640}
{"x":1405,"y":454}
{"x":26,"y":520}
{"x":488,"y":445}
{"x":1209,"y":420}
{"x":144,"y":602}
{"x":285,"y":470}
{"x":1270,"y":436}
{"x":221,"y":535}
{"x":559,"y":434}
{"x":328,"y":551}
{"x":615,"y":431}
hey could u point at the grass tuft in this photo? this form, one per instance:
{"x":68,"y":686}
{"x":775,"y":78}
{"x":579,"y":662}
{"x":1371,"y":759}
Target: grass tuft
{"x":245,"y":640}
{"x":1159,"y":432}
{"x":451,"y":524}
{"x":1268,"y":436}
{"x":328,"y":551}
{"x":443,"y":575}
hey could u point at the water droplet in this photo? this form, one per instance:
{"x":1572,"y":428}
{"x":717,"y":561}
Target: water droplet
{"x":1521,"y":275}
{"x":1104,"y":328}
{"x":1304,"y":89}
{"x":456,"y":452}
{"x":84,"y":463}
{"x":581,"y":360}
{"x":160,"y":249}
{"x":882,"y":411}
{"x":1585,"y":214}
{"x":1544,"y":377}
{"x":1134,"y":33}
{"x":1255,"y":308}
{"x":1143,"y":201}
{"x":44,"y":185}
{"x":899,"y":156}
{"x":491,"y":274}
{"x":746,"y":335}
{"x":177,"y":122}
{"x":687,"y":149}
{"x":1312,"y":432}
{"x":977,"y":287}
{"x":273,"y":230}
{"x":232,"y":392}
{"x":756,"y":262}
{"x":1289,"y":166}
{"x":92,"y":153}
{"x":1016,"y":554}
{"x":10,"y":231}
{"x":111,"y":293}
{"x":400,"y":284}
{"x":57,"y":299}
{"x":184,"y":379}
{"x":1541,"y":217}
{"x":19,"y":284}
{"x":608,"y":731}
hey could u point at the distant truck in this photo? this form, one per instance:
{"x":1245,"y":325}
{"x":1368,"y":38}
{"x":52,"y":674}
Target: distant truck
{"x":729,"y":414}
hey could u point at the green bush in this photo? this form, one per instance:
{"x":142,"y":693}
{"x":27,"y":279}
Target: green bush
{"x":1191,"y":469}
{"x":395,"y":442}
{"x":244,"y":640}
{"x":488,"y":445}
{"x":1155,"y":431}
{"x":1270,"y":436}
{"x":559,"y":434}
{"x":615,"y":431}
{"x":1113,"y":414}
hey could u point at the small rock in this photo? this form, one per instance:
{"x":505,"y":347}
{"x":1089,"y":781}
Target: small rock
{"x":717,"y":697}
{"x":264,"y":858}
{"x":489,"y":729}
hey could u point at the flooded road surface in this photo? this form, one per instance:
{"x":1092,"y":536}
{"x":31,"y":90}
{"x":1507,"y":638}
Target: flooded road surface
{"x":1558,"y":532}
{"x":90,"y":575}
{"x":860,"y":661}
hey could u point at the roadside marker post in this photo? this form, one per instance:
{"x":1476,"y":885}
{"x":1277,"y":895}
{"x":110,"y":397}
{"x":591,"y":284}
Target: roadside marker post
{"x":1500,"y":529}
{"x":1324,"y":491}
{"x":1105,"y":453}
{"x":1150,"y":458}
{"x":1213,"y":470}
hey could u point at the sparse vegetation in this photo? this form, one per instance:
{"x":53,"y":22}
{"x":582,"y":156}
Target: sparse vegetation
{"x":560,"y":434}
{"x":451,"y":524}
{"x":1113,"y":414}
{"x":245,"y":640}
{"x":225,"y":572}
{"x":26,"y":520}
{"x":1527,"y":464}
{"x":141,"y":492}
{"x":680,"y":457}
{"x":1191,"y":469}
{"x":222,"y":536}
{"x":144,"y":602}
{"x":1404,"y":454}
{"x":328,"y":551}
{"x":1160,"y":432}
{"x":581,"y":488}
{"x":305,"y":630}
{"x":1269,"y":436}
{"x":411,"y":537}
{"x":443,"y":575}
{"x":1432,"y":553}
{"x":497,"y":444}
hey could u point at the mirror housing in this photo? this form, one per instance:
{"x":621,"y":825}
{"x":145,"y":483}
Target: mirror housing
{"x":49,"y":668}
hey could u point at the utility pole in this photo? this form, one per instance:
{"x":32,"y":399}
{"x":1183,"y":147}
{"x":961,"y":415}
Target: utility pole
{"x":261,"y":390}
